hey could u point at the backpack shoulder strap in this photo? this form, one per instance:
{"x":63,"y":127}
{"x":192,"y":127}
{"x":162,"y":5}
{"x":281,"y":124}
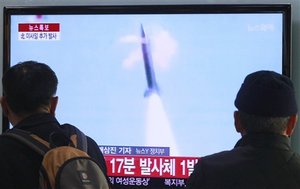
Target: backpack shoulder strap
{"x":82,"y":144}
{"x":81,"y":140}
{"x":34,"y":142}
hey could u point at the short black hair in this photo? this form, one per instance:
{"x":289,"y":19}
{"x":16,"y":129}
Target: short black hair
{"x":28,"y":86}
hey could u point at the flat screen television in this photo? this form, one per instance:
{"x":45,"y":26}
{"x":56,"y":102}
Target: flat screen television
{"x":154,"y":85}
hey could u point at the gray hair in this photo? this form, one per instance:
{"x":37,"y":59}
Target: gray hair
{"x":262,"y":124}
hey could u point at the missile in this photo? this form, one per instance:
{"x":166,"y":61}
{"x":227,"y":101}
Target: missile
{"x":150,"y":75}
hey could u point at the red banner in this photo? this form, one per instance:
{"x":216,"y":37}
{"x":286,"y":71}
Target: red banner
{"x":39,"y":27}
{"x":150,"y":166}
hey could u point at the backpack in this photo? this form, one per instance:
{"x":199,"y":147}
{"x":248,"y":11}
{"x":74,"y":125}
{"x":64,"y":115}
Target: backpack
{"x":66,"y":166}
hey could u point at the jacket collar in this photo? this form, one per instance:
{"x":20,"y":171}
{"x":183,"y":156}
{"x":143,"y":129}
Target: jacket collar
{"x":265,"y":140}
{"x":36,"y":120}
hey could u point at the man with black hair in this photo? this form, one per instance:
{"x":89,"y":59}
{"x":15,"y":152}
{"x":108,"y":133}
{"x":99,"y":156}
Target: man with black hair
{"x":29,"y":102}
{"x":262,"y":158}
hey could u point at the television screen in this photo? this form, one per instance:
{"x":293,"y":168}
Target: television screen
{"x":153,"y":85}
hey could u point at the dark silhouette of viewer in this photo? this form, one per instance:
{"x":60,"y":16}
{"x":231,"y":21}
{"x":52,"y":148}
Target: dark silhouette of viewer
{"x":29,"y":101}
{"x":262,"y":158}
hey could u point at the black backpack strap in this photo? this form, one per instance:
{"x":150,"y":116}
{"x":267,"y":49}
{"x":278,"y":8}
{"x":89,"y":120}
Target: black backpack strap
{"x":28,"y":139}
{"x":81,"y":137}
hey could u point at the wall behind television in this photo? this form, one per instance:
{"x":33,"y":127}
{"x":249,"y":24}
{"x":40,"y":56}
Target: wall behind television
{"x":295,"y":28}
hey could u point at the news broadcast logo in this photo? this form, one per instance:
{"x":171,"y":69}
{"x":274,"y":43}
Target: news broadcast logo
{"x":39,"y":31}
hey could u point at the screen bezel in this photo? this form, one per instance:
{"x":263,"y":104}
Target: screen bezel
{"x":285,"y":9}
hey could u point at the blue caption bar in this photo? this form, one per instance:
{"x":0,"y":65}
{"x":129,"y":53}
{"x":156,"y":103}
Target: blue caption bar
{"x":135,"y":150}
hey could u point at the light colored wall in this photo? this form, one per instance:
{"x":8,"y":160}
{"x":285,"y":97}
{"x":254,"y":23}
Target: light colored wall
{"x":295,"y":27}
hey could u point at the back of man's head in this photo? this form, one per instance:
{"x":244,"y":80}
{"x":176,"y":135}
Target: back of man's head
{"x":267,"y":93}
{"x":29,"y":86}
{"x":266,"y":100}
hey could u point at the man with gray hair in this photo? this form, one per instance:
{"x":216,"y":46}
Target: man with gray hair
{"x":262,"y":158}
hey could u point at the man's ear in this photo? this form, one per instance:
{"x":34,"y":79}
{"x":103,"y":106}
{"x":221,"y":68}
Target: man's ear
{"x":237,"y":122}
{"x":4,"y":105}
{"x":291,"y":125}
{"x":53,"y":104}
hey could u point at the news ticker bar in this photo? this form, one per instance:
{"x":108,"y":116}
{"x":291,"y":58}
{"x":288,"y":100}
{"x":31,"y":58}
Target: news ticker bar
{"x":144,"y":182}
{"x":150,"y":166}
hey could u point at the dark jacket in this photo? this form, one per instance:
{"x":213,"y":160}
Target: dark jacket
{"x":258,"y":161}
{"x":19,"y":164}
